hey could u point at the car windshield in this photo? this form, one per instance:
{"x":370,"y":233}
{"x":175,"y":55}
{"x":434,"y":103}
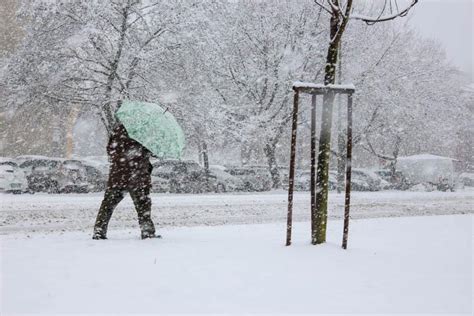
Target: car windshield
{"x":166,"y":168}
{"x":241,"y":172}
{"x":361,"y":175}
{"x":41,"y":168}
{"x":72,"y":165}
{"x":92,"y":171}
{"x":39,"y":163}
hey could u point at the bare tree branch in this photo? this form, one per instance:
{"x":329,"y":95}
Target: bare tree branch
{"x":382,"y":18}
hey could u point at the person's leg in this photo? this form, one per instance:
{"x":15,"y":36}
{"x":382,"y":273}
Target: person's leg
{"x":142,"y":201}
{"x":112,"y":198}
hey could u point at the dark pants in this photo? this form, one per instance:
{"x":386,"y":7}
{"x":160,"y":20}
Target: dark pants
{"x":112,"y":197}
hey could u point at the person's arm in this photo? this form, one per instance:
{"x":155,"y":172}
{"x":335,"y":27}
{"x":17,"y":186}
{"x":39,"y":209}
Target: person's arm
{"x":110,"y":146}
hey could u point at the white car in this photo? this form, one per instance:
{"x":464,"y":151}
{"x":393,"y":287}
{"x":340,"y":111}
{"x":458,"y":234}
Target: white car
{"x":12,"y":178}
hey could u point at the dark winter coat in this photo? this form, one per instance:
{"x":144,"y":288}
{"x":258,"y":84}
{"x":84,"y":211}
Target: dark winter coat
{"x":130,"y":162}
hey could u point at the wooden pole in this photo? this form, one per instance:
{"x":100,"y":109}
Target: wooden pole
{"x":348,"y":172}
{"x":292,"y":168}
{"x":313,"y":168}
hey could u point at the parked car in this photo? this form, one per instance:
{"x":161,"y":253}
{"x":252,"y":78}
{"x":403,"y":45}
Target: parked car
{"x":429,"y":169}
{"x":365,"y":180}
{"x":12,"y":178}
{"x":41,"y":172}
{"x":467,"y":179}
{"x":27,"y":162}
{"x":182,"y":177}
{"x":99,"y":162}
{"x":395,"y":182}
{"x":95,"y":179}
{"x":254,"y":178}
{"x":54,"y":175}
{"x":225,"y":181}
{"x":73,"y":177}
{"x":159,"y":184}
{"x":303,"y":180}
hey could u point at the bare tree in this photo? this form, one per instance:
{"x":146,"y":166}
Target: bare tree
{"x":117,"y":39}
{"x":261,"y":47}
{"x":340,"y":13}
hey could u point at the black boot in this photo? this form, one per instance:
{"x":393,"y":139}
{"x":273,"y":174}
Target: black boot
{"x":98,"y":237}
{"x":98,"y":234}
{"x":146,"y":235}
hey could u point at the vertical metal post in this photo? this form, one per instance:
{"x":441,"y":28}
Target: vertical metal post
{"x":348,"y":172}
{"x":313,"y":168}
{"x":292,"y":168}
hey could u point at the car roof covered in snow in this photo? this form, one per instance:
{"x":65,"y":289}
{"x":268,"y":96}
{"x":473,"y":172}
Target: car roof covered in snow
{"x":37,"y":157}
{"x":6,"y":159}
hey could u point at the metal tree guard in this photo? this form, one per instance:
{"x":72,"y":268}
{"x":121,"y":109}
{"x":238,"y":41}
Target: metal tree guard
{"x":315,"y":90}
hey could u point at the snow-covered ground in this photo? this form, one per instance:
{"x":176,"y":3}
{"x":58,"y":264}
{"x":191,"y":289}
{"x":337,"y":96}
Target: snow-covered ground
{"x":409,"y":263}
{"x":45,"y":213}
{"x":393,"y":265}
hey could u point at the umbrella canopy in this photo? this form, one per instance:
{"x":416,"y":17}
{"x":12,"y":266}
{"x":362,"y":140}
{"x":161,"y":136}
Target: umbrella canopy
{"x":153,"y":127}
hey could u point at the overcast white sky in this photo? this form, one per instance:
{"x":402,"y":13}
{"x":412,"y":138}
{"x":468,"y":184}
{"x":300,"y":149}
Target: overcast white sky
{"x":450,"y":22}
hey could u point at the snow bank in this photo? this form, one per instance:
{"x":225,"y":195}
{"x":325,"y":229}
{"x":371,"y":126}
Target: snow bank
{"x":415,"y":265}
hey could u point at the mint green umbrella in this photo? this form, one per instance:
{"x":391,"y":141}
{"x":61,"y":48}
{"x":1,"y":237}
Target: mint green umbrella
{"x":153,"y":127}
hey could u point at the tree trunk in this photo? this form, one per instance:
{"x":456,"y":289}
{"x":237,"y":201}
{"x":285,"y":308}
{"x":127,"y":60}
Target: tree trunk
{"x":205,"y":157}
{"x":69,"y":133}
{"x":341,"y":160}
{"x":245,"y":153}
{"x":325,"y":135}
{"x":199,"y":152}
{"x":393,"y":163}
{"x":272,"y":165}
{"x":108,"y":108}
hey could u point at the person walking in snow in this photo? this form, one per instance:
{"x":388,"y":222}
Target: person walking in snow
{"x":130,"y":171}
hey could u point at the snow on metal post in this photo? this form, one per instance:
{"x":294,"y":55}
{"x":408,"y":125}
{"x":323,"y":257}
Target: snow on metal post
{"x":348,"y":172}
{"x":313,"y":168}
{"x":291,"y":175}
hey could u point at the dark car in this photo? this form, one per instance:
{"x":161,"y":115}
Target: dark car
{"x":41,"y":173}
{"x":72,"y":177}
{"x":303,"y":180}
{"x":254,"y":178}
{"x":183,"y":177}
{"x":365,"y":180}
{"x":95,"y":179}
{"x":396,"y":181}
{"x":54,"y":175}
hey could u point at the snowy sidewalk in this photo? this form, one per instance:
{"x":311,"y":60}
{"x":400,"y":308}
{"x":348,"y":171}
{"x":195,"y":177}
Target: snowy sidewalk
{"x":67,"y":212}
{"x":412,"y":264}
